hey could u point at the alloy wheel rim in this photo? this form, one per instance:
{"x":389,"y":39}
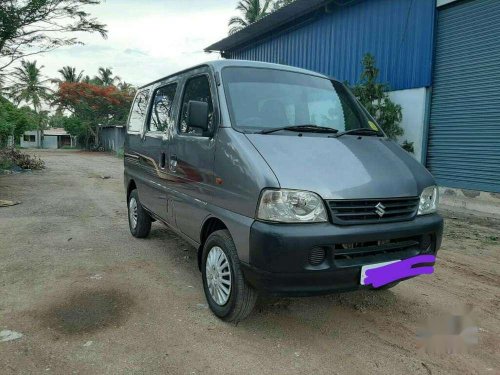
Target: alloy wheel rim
{"x":132,"y":211}
{"x":218,"y":275}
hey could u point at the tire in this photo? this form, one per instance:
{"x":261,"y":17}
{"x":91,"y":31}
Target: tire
{"x":240,"y":301}
{"x":140,"y":221}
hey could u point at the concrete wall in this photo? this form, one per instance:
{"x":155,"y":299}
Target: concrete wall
{"x":440,"y":3}
{"x":413,"y":103}
{"x":113,"y":138}
{"x":35,"y":144}
{"x":49,"y":141}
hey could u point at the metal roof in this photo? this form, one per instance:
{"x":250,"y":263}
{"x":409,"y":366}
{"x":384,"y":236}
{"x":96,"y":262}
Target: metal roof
{"x":293,"y":11}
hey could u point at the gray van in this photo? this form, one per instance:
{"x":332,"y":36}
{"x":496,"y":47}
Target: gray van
{"x":279,"y":178}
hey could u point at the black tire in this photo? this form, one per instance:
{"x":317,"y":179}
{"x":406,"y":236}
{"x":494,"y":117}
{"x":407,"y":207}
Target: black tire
{"x":142,"y":226}
{"x":242,"y":296}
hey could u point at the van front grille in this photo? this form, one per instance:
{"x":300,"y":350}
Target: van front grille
{"x":369,"y":211}
{"x":369,"y":252}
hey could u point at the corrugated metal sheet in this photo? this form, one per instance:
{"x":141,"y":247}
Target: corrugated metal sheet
{"x":398,"y":33}
{"x":464,"y":133}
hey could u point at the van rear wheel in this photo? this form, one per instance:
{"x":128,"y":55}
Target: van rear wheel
{"x":139,"y":220}
{"x":229,"y":296}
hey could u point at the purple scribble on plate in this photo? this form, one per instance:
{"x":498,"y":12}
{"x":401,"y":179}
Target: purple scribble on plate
{"x":419,"y":265}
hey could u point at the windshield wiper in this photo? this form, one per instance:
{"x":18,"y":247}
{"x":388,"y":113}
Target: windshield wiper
{"x":360,"y":131}
{"x":302,"y":128}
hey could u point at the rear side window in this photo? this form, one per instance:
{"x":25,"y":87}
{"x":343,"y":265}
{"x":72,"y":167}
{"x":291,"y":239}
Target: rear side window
{"x":197,"y":88}
{"x":139,"y":110}
{"x":161,"y":112}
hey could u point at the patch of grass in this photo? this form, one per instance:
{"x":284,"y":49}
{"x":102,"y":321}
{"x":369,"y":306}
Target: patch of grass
{"x":6,"y":163}
{"x":120,"y":153}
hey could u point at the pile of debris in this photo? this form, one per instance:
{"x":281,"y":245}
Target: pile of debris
{"x":12,"y":161}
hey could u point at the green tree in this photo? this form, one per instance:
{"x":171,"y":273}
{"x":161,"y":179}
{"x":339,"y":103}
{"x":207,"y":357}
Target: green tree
{"x":91,"y":106}
{"x":105,"y":77}
{"x":29,"y":27}
{"x":30,"y":88}
{"x":373,"y":96}
{"x":127,"y":88}
{"x":29,"y":85}
{"x":252,"y":11}
{"x":281,"y":3}
{"x":69,"y":74}
{"x":14,"y":121}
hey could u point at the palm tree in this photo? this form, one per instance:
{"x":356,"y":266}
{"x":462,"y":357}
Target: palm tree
{"x":105,"y":77}
{"x":281,"y":3}
{"x":29,"y":86}
{"x":252,"y":11}
{"x":126,"y":87}
{"x":68,"y":74}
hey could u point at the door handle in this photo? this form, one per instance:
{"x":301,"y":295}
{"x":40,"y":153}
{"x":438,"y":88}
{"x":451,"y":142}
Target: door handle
{"x":172,"y":165}
{"x":162,"y":160}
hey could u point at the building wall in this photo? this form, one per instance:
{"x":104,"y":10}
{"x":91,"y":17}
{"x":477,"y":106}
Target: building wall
{"x":113,"y":138}
{"x":25,"y":144}
{"x":49,"y":141}
{"x":414,"y":108}
{"x":399,"y":33}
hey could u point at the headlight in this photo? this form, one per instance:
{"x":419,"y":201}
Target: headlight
{"x":429,"y":200}
{"x":291,"y":206}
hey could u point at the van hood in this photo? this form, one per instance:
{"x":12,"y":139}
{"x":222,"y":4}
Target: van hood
{"x":350,"y":167}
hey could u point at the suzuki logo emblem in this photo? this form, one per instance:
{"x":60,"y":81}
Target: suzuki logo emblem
{"x":380,"y":209}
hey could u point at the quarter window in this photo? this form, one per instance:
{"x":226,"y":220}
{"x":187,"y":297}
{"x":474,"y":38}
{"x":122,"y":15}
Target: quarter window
{"x":139,"y":110}
{"x":161,"y":112}
{"x":197,"y":88}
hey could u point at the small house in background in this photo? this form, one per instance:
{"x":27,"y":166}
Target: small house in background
{"x":50,"y":139}
{"x":112,"y":137}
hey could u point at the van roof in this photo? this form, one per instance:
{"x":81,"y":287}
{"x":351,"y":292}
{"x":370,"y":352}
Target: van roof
{"x":218,"y":65}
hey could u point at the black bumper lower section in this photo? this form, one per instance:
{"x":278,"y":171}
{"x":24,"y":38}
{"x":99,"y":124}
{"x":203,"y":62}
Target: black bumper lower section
{"x":280,"y":260}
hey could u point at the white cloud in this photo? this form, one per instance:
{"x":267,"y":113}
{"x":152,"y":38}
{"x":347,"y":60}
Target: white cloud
{"x":146,"y":39}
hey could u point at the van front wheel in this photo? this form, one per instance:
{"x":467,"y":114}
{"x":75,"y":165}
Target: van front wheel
{"x":139,"y":220}
{"x":229,"y":296}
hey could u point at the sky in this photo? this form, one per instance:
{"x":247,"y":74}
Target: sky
{"x":147,"y":39}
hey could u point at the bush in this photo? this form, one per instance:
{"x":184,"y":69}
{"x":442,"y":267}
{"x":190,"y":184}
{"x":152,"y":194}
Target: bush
{"x":120,"y":153}
{"x":9,"y":158}
{"x":408,"y":146}
{"x":373,"y":96}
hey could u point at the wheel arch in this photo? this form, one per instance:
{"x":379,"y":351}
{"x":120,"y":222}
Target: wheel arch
{"x":131,"y":186}
{"x":210,"y":225}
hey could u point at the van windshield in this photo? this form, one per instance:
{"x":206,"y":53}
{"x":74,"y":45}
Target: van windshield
{"x":265,"y":99}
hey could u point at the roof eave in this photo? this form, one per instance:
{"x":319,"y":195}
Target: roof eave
{"x":281,"y":17}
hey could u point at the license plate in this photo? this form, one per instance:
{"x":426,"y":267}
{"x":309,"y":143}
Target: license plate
{"x":371,"y":267}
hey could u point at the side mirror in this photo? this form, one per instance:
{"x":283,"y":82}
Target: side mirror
{"x":197,"y":115}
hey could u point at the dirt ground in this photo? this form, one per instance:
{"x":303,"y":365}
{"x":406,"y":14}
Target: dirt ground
{"x":90,"y":299}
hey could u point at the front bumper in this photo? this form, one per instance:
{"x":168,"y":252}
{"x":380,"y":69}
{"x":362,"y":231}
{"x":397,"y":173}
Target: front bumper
{"x":280,"y":254}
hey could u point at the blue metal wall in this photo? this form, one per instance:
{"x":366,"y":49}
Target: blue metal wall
{"x":464,"y":131}
{"x":399,"y":33}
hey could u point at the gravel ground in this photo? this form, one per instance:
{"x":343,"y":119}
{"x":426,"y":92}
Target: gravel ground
{"x":90,"y":299}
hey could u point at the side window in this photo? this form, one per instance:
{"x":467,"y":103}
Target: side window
{"x":161,"y":112}
{"x":139,"y":110}
{"x":197,"y":88}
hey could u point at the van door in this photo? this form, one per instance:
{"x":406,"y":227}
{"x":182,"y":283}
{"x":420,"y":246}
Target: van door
{"x":134,"y":165}
{"x":192,"y":156}
{"x":155,"y":151}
